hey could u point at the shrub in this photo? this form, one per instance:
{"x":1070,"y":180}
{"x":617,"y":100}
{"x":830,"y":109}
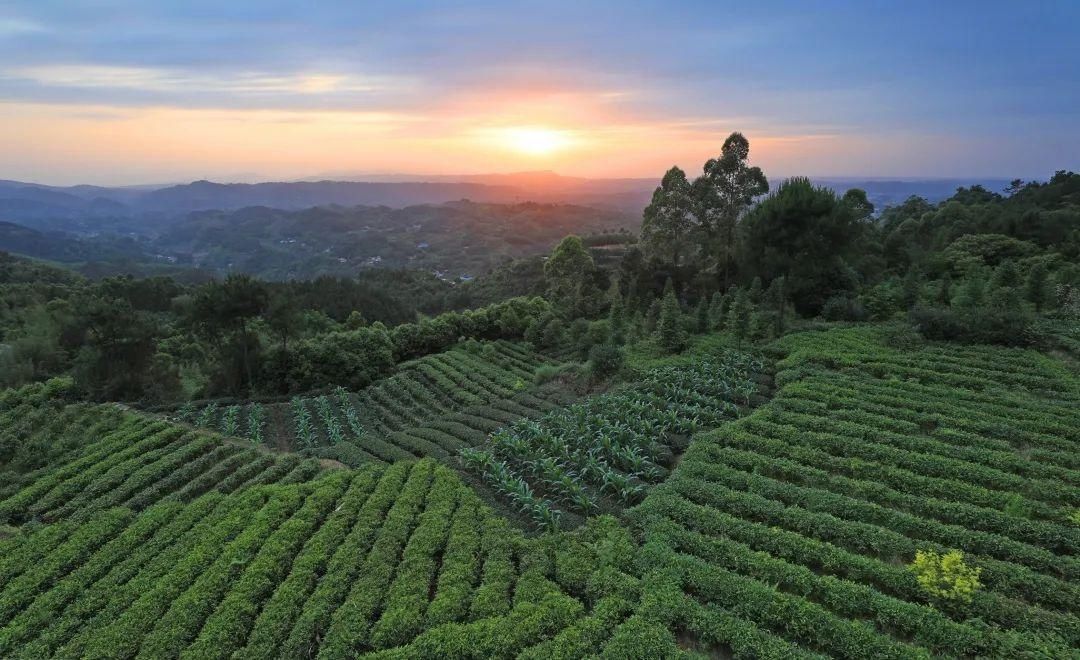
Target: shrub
{"x":975,"y":325}
{"x":946,"y":576}
{"x":843,"y":308}
{"x":605,"y":360}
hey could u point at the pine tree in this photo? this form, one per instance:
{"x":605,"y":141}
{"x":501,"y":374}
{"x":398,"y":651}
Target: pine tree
{"x":617,"y":318}
{"x":756,"y":291}
{"x":717,"y":310}
{"x":738,"y":322}
{"x":702,"y":316}
{"x":776,"y":297}
{"x":652,"y":315}
{"x":669,"y":328}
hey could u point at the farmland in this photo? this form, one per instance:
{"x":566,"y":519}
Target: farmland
{"x":783,"y":531}
{"x":419,"y":411}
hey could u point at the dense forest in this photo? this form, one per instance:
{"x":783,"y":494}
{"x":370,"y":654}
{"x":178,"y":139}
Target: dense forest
{"x":773,"y":422}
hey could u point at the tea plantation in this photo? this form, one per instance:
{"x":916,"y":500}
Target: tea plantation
{"x":722,"y":503}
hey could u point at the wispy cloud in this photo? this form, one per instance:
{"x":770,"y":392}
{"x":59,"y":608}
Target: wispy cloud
{"x":178,"y":81}
{"x":11,"y":26}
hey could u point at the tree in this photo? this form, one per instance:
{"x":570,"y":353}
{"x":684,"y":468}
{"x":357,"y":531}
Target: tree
{"x":117,"y":359}
{"x":776,"y":297}
{"x":617,"y":319}
{"x":805,"y":234}
{"x":221,"y":311}
{"x":717,"y":310}
{"x":738,"y":322}
{"x":723,"y":193}
{"x":283,"y":317}
{"x":972,"y":293}
{"x":702,"y":315}
{"x":668,"y":228}
{"x":573,"y":281}
{"x":911,"y":288}
{"x":1037,"y":286}
{"x":669,"y":328}
{"x":1005,"y":275}
{"x":653,"y":315}
{"x":944,"y":294}
{"x":756,"y":291}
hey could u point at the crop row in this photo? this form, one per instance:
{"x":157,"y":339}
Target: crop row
{"x":610,"y":445}
{"x":136,"y":463}
{"x":347,"y":563}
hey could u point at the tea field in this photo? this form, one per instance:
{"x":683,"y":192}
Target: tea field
{"x":723,"y":504}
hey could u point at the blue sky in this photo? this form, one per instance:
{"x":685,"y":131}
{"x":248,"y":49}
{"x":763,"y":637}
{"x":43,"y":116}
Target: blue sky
{"x":115,"y":92}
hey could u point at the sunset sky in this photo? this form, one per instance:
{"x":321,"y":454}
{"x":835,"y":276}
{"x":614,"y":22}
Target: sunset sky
{"x":157,"y":92}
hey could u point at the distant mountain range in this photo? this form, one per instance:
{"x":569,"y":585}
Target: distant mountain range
{"x":305,"y":228}
{"x":21,"y":202}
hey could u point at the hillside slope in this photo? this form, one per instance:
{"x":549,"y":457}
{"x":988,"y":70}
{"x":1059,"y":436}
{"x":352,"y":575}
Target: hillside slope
{"x":781,"y":533}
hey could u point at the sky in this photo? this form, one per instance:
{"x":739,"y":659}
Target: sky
{"x":137,"y":92}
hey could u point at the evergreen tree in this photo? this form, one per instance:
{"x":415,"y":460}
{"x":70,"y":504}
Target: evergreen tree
{"x":1006,"y":275}
{"x":669,"y":328}
{"x":944,"y":294}
{"x":1037,"y":287}
{"x":669,"y":225}
{"x":717,"y":309}
{"x":574,"y":284}
{"x":973,"y":292}
{"x":617,"y":319}
{"x":702,"y":316}
{"x":652,"y":316}
{"x":756,"y":291}
{"x":776,"y":298}
{"x":911,"y":288}
{"x":738,"y":322}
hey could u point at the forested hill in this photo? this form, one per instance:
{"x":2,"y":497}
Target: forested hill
{"x":453,"y":239}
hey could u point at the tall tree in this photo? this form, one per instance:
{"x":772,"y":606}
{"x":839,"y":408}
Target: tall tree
{"x":574,"y":284}
{"x":723,"y":193}
{"x":669,"y":226}
{"x":222,"y":311}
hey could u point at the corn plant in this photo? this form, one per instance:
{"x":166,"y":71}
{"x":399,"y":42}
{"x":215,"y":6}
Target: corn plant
{"x":302,"y":422}
{"x":230,"y":421}
{"x":326,"y":414}
{"x":206,"y":417}
{"x":255,"y":423}
{"x":352,"y":418}
{"x":185,"y":412}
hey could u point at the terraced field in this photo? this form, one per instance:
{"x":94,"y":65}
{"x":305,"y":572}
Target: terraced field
{"x":432,"y":407}
{"x":787,"y":533}
{"x":112,"y":458}
{"x":785,"y":530}
{"x":347,"y":563}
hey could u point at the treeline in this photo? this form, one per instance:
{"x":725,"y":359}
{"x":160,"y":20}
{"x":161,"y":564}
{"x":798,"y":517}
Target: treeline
{"x":980,"y":266}
{"x":155,"y":340}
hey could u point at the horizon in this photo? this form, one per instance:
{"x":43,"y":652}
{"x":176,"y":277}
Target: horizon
{"x":477,"y":179}
{"x":121,"y":94}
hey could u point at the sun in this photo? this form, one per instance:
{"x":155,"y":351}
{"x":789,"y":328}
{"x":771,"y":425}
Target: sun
{"x":536,"y":141}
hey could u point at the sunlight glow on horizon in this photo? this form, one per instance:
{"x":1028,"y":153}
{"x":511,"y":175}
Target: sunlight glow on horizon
{"x":537,"y":141}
